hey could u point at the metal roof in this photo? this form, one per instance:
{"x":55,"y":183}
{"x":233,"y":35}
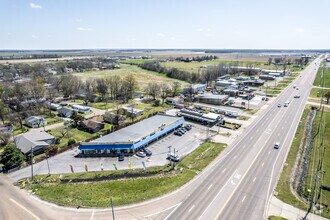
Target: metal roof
{"x":139,"y":130}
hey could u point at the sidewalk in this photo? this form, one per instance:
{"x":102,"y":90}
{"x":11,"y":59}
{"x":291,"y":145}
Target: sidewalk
{"x":279,"y":208}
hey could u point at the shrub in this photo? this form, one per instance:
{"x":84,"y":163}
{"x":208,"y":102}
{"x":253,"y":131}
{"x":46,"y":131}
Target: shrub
{"x":71,"y":141}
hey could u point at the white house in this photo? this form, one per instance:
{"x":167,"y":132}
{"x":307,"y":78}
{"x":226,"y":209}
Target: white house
{"x":35,"y":121}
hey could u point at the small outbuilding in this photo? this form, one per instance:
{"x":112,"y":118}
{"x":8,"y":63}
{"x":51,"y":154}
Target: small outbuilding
{"x":132,"y":112}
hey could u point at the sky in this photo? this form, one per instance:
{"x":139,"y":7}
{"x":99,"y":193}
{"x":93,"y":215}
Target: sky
{"x":164,"y":24}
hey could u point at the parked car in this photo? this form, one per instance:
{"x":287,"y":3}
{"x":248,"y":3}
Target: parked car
{"x":178,"y":133}
{"x":140,"y":154}
{"x":121,"y":157}
{"x":147,"y":152}
{"x":187,"y":127}
{"x":182,"y":130}
{"x":171,"y":157}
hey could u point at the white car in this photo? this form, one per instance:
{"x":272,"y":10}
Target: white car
{"x":279,"y":105}
{"x":277,"y":145}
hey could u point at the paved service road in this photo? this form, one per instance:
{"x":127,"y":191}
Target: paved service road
{"x":237,"y":185}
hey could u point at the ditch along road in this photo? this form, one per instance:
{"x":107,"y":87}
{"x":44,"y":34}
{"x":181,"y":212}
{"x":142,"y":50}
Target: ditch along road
{"x":236,"y":185}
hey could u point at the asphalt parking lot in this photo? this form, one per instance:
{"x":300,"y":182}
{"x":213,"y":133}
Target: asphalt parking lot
{"x":60,"y":163}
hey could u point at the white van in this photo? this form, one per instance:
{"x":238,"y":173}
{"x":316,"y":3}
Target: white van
{"x":286,"y":103}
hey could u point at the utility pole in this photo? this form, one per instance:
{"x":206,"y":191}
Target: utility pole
{"x":113,"y":212}
{"x":31,"y":163}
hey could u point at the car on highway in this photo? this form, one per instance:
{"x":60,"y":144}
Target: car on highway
{"x":147,"y":152}
{"x":279,"y":105}
{"x":277,"y":145}
{"x":296,"y":96}
{"x":121,"y":157}
{"x":173,"y":157}
{"x":286,"y":103}
{"x":140,"y":154}
{"x":297,"y":88}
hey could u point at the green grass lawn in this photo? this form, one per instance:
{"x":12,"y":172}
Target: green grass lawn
{"x":283,"y":185}
{"x":317,"y":92}
{"x":74,"y":133}
{"x":318,"y":79}
{"x":105,"y":106}
{"x":142,"y":76}
{"x":276,"y":218}
{"x":93,"y":192}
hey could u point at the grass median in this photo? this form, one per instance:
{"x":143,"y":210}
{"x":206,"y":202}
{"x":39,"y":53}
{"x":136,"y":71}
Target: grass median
{"x":93,"y":189}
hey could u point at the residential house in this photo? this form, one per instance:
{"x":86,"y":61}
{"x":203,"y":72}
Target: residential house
{"x":65,"y":112}
{"x":6,"y":128}
{"x":113,"y":118}
{"x":91,"y":125}
{"x":132,"y":112}
{"x":33,"y":140}
{"x":80,"y":108}
{"x":35,"y":121}
{"x":174,"y":100}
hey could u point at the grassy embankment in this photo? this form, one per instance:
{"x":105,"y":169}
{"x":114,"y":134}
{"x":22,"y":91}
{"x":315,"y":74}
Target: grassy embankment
{"x":316,"y":150}
{"x":276,"y":218}
{"x":93,"y":189}
{"x":318,"y":78}
{"x":283,"y":186}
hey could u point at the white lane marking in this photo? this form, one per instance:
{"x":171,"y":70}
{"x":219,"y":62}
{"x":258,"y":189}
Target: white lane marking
{"x":224,"y":170}
{"x":235,"y":157}
{"x":177,"y":206}
{"x":192,"y":207}
{"x":263,"y":163}
{"x":268,"y":152}
{"x":210,"y":187}
{"x":243,"y":198}
{"x":92,"y":216}
{"x":254,"y":179}
{"x":25,"y":209}
{"x":216,"y":196}
{"x":244,"y":146}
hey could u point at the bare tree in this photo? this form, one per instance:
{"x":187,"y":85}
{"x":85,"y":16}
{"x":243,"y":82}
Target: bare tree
{"x":4,"y":138}
{"x":175,"y":88}
{"x":164,"y":91}
{"x":101,"y":87}
{"x":152,"y":89}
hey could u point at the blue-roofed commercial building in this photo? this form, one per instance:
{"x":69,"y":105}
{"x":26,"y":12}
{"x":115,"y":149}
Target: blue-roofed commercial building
{"x":133,"y":137}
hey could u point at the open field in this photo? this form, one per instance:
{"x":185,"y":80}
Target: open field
{"x":317,"y":92}
{"x":142,"y":76}
{"x":318,"y":79}
{"x":195,"y":66}
{"x":72,"y":190}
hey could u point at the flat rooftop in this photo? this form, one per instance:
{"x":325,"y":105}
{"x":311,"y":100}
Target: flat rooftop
{"x":139,"y":130}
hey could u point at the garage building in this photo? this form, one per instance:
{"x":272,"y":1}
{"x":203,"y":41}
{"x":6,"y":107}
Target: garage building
{"x":133,"y":137}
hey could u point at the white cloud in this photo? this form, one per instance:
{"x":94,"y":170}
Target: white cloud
{"x":83,"y":29}
{"x":160,"y":35}
{"x":200,"y":29}
{"x":34,"y":36}
{"x":78,"y":20}
{"x":300,"y":30}
{"x":35,"y":6}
